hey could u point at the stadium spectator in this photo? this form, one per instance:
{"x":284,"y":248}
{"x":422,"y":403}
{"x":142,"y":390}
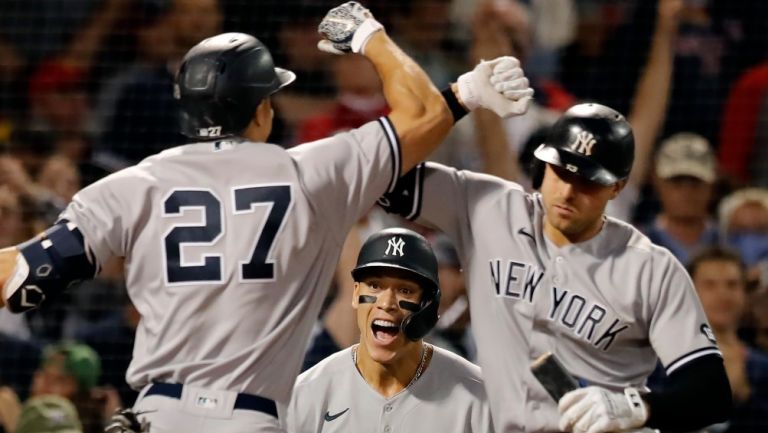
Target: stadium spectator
{"x":719,"y":277}
{"x":686,"y":170}
{"x":48,"y":414}
{"x":422,"y":29}
{"x":743,"y":149}
{"x":60,"y":176}
{"x":359,"y":99}
{"x":743,"y":217}
{"x":137,"y":113}
{"x":112,"y":338}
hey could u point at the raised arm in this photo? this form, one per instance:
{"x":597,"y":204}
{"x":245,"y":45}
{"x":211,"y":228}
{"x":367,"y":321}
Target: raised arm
{"x":649,"y":107}
{"x":420,"y":115}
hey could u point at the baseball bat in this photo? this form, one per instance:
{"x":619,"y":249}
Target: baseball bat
{"x":553,"y":376}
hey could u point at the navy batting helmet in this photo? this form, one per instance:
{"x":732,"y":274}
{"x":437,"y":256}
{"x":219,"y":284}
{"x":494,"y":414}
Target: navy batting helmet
{"x":408,"y":251}
{"x":221,"y":82}
{"x":591,"y":140}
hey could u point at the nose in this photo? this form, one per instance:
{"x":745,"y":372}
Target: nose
{"x":386,"y":300}
{"x":566,"y":189}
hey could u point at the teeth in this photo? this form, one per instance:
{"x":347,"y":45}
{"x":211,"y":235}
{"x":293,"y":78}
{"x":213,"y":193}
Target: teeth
{"x":380,"y":322}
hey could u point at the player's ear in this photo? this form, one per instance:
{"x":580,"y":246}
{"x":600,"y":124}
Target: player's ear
{"x":263,"y":114}
{"x":617,"y":187}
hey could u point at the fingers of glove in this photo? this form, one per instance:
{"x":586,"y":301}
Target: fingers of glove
{"x":503,"y":63}
{"x":586,"y":423}
{"x":506,"y":75}
{"x":574,"y":406}
{"x":328,"y":47}
{"x":570,"y":398}
{"x":517,"y":84}
{"x":517,"y":95}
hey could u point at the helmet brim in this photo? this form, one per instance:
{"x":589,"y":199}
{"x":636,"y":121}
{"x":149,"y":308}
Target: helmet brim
{"x":285,"y":76}
{"x":576,"y":164}
{"x":360,"y":272}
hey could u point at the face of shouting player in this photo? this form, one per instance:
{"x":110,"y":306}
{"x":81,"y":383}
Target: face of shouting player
{"x":379,"y":321}
{"x":574,"y":205}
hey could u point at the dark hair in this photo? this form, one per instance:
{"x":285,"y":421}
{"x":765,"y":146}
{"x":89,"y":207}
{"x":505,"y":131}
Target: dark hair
{"x":716,"y":253}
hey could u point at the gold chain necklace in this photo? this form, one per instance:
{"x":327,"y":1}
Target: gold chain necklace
{"x":419,"y":370}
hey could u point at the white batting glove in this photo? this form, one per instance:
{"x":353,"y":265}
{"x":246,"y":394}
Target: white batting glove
{"x":347,"y":28}
{"x":498,"y":85}
{"x":598,"y":410}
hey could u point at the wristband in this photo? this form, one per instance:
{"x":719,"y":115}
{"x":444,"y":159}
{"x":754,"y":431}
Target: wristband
{"x":457,"y":110}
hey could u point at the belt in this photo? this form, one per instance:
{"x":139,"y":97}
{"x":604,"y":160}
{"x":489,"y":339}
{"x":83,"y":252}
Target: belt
{"x":243,"y":401}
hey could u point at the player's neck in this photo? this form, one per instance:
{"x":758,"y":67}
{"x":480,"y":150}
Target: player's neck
{"x":561,"y":239}
{"x":258,"y":132}
{"x":391,"y":378}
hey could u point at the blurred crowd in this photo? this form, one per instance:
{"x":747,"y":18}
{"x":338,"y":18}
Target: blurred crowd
{"x":86,"y":88}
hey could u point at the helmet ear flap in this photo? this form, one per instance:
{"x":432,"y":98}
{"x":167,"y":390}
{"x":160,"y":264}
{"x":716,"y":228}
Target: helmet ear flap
{"x":415,"y":326}
{"x":537,"y":173}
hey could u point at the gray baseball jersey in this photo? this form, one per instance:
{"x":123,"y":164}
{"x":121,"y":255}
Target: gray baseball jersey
{"x":230,"y":248}
{"x":608,"y":307}
{"x":333,"y":397}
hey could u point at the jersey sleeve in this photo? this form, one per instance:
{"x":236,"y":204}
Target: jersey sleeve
{"x":99,"y":211}
{"x":344,"y":175}
{"x":679,"y":331}
{"x":443,"y":197}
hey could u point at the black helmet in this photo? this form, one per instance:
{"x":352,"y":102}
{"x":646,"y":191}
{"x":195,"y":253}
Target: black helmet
{"x":406,"y":250}
{"x":221,"y":82}
{"x":591,"y":140}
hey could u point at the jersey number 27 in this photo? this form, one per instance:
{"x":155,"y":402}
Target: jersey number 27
{"x":276,"y":197}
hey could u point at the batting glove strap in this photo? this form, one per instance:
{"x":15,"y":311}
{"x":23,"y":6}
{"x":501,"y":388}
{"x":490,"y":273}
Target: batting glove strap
{"x":498,"y":85}
{"x":636,"y":405}
{"x":598,"y":410}
{"x":347,"y":28}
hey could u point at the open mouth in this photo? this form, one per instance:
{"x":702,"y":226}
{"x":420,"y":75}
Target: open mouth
{"x":385,"y":331}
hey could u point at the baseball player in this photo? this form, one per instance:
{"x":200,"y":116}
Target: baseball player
{"x":548,"y":271}
{"x":229,"y":242}
{"x":392,"y":381}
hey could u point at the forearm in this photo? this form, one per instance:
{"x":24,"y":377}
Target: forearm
{"x":340,"y":319}
{"x":7,"y":264}
{"x":649,"y":107}
{"x":498,"y":159}
{"x":418,"y":110}
{"x":693,"y":397}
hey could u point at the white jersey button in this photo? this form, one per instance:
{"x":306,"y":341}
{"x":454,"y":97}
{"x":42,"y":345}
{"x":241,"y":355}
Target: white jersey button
{"x":387,"y":429}
{"x":559,"y":259}
{"x":388,"y":408}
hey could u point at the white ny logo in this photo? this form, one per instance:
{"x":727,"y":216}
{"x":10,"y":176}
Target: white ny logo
{"x":584,"y":142}
{"x":397,"y":246}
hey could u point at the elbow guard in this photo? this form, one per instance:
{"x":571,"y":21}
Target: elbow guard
{"x":47,"y":265}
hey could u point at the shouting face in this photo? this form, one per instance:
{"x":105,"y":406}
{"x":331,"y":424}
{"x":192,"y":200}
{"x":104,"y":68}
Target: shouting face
{"x":380,"y":300}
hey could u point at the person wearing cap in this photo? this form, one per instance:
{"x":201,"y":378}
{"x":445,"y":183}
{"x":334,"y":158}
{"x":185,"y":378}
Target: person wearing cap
{"x":392,"y":381}
{"x":743,"y":220}
{"x":49,"y":414}
{"x":71,"y":371}
{"x":686,"y":171}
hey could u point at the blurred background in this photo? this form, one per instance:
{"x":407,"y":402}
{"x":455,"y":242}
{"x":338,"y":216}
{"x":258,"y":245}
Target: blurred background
{"x":86,"y":90}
